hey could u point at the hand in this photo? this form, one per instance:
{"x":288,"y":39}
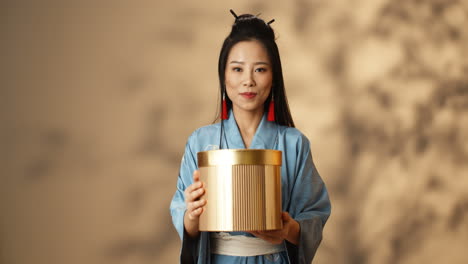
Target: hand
{"x":192,"y":197}
{"x":290,"y":231}
{"x":194,"y":204}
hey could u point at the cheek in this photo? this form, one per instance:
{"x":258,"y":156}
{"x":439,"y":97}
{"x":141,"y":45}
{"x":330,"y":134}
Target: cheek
{"x":229,"y":87}
{"x":229,"y":81}
{"x":267,"y":83}
{"x":266,"y":79}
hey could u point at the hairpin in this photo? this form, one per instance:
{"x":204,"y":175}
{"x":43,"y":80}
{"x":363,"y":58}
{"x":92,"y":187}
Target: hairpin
{"x":235,"y":15}
{"x":232,"y":12}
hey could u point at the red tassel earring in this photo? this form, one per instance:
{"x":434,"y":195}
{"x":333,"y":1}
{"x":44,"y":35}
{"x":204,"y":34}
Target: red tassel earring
{"x":224,"y":112}
{"x":271,"y":110}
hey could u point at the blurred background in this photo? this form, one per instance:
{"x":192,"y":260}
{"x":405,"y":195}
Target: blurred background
{"x":98,"y":98}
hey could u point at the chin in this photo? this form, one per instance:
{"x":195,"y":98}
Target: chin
{"x":253,"y":109}
{"x":250,"y":107}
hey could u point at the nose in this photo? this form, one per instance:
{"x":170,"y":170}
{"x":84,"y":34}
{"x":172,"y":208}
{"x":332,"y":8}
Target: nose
{"x":249,"y":80}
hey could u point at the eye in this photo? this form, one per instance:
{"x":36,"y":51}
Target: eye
{"x":261,"y":69}
{"x":236,"y":69}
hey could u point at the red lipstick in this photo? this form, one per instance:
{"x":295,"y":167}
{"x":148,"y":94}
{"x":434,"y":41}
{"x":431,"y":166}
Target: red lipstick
{"x":248,"y":95}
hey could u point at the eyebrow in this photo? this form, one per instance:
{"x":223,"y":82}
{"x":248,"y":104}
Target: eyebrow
{"x":256,"y":63}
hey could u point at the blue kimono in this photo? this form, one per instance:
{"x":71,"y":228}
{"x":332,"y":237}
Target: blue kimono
{"x":304,"y":195}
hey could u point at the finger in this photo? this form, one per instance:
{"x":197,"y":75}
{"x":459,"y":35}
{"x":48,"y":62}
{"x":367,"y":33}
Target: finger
{"x":270,"y":232}
{"x":191,"y":206}
{"x":275,"y":234}
{"x":260,"y":233}
{"x":192,"y":188}
{"x":268,"y":238}
{"x":196,"y":175}
{"x":196,"y":178}
{"x":196,"y":194}
{"x":198,"y":204}
{"x":271,"y":235}
{"x":191,"y":215}
{"x":196,"y":213}
{"x":285,"y":216}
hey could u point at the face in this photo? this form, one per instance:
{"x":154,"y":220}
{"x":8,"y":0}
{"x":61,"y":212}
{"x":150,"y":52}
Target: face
{"x":248,"y":76}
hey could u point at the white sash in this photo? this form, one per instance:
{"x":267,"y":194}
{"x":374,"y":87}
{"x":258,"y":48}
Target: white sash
{"x":224,"y":244}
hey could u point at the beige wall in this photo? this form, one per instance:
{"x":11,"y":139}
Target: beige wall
{"x":98,"y":98}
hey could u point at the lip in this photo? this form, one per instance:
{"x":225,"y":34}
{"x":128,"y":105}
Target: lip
{"x":248,"y":95}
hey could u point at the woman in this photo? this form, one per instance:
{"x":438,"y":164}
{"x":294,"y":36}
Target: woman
{"x":255,"y":114}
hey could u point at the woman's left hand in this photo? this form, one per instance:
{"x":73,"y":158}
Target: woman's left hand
{"x":290,"y":231}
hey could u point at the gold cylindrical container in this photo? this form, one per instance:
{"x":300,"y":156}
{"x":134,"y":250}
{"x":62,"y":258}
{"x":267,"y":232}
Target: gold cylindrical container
{"x":242,"y":189}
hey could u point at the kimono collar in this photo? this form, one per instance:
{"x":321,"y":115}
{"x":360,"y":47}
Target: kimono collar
{"x":265,"y":137}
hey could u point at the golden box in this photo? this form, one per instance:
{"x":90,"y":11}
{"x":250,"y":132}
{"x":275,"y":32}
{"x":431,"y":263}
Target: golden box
{"x":242,"y":189}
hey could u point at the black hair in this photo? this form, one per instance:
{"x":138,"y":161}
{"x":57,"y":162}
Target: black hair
{"x":248,"y":27}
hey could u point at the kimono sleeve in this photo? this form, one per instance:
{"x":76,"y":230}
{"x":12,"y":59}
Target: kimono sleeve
{"x":310,"y":207}
{"x":178,"y":207}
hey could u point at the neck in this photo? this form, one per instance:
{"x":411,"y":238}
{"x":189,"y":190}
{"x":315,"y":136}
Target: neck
{"x":248,"y":122}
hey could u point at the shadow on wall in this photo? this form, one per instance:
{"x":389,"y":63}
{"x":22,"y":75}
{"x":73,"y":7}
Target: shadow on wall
{"x":406,"y":124}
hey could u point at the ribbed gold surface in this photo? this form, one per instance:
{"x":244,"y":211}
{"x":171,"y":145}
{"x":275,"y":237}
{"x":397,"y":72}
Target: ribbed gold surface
{"x":241,"y":197}
{"x":248,"y":191}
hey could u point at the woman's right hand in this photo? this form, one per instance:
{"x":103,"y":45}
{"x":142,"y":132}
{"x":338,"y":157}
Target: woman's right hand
{"x":194,"y":205}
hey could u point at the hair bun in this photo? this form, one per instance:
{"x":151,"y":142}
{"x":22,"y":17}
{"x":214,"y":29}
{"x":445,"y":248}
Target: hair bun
{"x":251,"y":26}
